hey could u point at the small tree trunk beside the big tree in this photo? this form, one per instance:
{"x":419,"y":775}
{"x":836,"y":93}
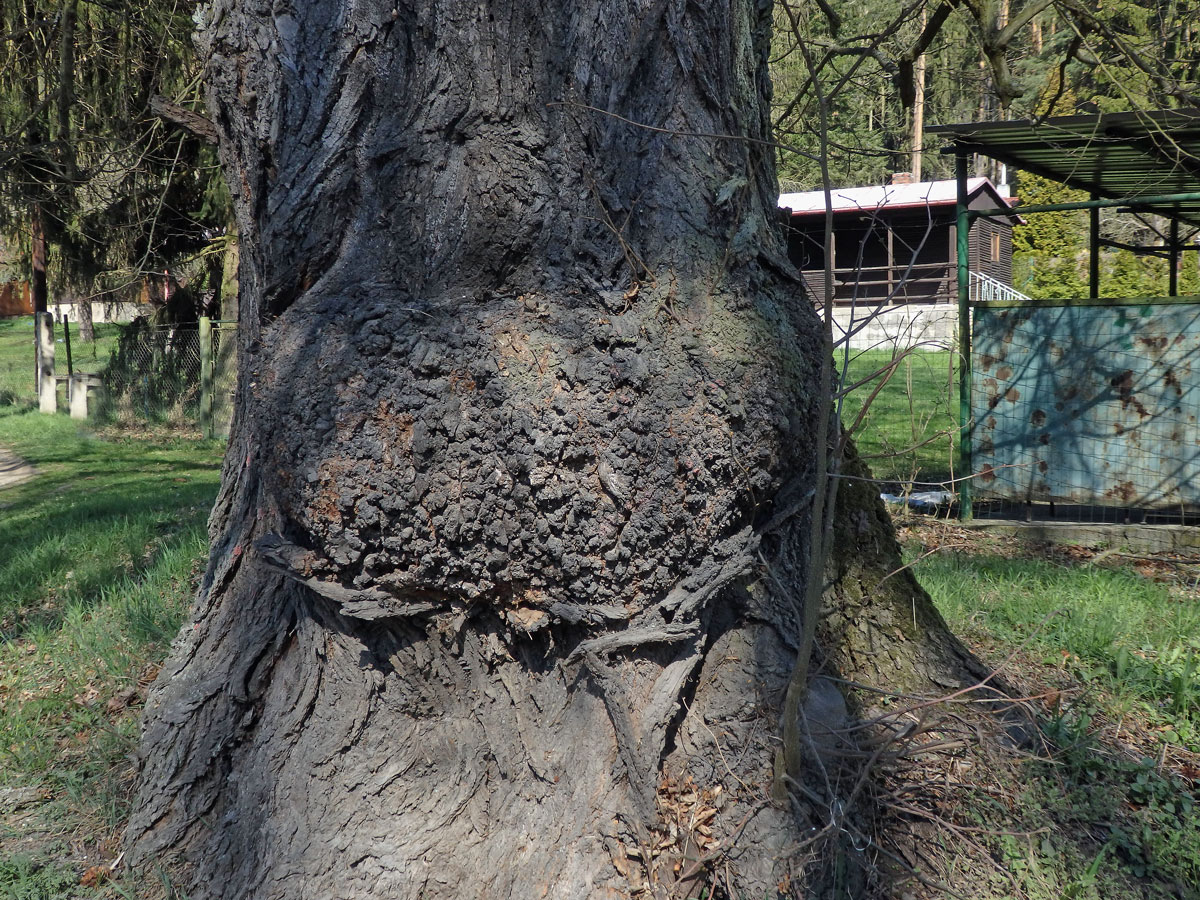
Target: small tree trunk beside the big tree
{"x":509,"y":554}
{"x":83,"y":312}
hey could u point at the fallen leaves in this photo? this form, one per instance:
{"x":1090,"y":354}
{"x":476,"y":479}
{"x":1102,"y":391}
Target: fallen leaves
{"x":95,"y":875}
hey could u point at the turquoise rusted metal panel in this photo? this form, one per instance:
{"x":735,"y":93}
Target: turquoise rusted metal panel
{"x":1091,"y":404}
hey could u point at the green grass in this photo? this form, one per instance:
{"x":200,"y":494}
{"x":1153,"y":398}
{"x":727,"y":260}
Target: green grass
{"x":98,"y":559}
{"x":1130,"y":635}
{"x":907,"y":433}
{"x":1120,"y":814}
{"x":17,"y":356}
{"x":21,"y":878}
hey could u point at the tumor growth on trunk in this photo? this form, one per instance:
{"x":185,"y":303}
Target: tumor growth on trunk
{"x":510,"y":557}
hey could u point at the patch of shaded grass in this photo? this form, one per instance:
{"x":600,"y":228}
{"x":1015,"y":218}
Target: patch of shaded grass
{"x":21,"y":878}
{"x":1110,"y":626}
{"x":98,"y":561}
{"x":100,"y":512}
{"x":1108,"y":658}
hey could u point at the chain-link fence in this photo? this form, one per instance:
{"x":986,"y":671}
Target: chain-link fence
{"x":17,"y":362}
{"x":176,"y":375}
{"x":153,"y":376}
{"x":217,"y":412}
{"x":180,"y":376}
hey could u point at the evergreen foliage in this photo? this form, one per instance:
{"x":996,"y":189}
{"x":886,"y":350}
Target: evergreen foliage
{"x":119,"y":193}
{"x":985,"y":60}
{"x":1050,"y":250}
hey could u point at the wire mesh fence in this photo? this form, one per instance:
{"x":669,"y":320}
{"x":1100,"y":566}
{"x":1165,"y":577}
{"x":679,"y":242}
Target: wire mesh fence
{"x":146,"y":374}
{"x":17,"y":362}
{"x":1089,"y":408}
{"x":153,"y":376}
{"x":172,"y":375}
{"x":218,"y":376}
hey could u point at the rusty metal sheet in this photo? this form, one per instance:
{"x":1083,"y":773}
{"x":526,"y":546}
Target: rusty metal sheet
{"x":1088,"y":404}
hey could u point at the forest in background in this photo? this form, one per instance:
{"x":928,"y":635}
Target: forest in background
{"x":856,"y":81}
{"x":102,"y":193}
{"x":108,"y":177}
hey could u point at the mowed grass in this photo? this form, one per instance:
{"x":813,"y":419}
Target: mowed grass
{"x":908,"y":432}
{"x":98,"y":559}
{"x":17,"y":356}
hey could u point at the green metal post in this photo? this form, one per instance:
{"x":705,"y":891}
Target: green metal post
{"x":962,"y":236}
{"x":1094,"y":251}
{"x":206,"y":377}
{"x":1173,"y":277}
{"x":1135,"y":202}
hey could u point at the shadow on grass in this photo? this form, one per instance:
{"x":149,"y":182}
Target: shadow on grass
{"x":99,"y":514}
{"x":1108,"y":659}
{"x":1121,"y":827}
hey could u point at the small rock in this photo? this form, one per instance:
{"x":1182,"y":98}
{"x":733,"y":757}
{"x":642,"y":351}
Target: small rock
{"x":14,"y":798}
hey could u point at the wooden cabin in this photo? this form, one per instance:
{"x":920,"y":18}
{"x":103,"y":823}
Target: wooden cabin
{"x":896,"y":244}
{"x":15,"y":299}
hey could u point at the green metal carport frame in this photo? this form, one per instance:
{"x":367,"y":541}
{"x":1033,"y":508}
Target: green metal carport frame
{"x":1140,"y":161}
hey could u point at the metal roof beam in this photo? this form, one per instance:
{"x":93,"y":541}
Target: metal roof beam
{"x":1152,"y":148}
{"x":1133,"y":202}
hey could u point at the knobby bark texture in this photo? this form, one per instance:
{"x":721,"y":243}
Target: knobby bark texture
{"x":511,"y":540}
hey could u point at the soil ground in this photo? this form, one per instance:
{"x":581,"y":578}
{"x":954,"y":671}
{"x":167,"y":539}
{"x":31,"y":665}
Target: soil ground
{"x":13,"y":469}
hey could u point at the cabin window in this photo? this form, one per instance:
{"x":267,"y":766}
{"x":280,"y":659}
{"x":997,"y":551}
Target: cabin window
{"x":994,"y":256}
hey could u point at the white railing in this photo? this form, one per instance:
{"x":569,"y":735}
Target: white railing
{"x":986,"y":289}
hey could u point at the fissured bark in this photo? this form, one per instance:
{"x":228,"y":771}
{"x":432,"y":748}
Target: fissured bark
{"x":509,"y":552}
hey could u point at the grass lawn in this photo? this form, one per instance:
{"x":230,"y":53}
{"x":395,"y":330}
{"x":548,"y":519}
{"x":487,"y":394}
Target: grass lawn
{"x":1107,"y":649}
{"x":17,"y":356}
{"x":98,"y":557}
{"x":908,"y":431}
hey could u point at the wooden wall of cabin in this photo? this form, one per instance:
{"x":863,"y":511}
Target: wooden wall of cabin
{"x":872,"y":256}
{"x":991,"y":249}
{"x":928,"y":241}
{"x":15,"y":299}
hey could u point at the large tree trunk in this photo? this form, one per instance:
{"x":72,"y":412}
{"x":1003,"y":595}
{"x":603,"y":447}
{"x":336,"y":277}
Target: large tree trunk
{"x":509,"y":554}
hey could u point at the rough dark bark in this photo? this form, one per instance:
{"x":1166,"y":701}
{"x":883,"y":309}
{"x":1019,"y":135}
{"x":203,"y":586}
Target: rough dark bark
{"x":187,"y":119}
{"x":508,"y":555}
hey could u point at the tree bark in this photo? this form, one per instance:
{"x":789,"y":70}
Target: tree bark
{"x":512,"y":538}
{"x":37,"y":282}
{"x":87,"y":327}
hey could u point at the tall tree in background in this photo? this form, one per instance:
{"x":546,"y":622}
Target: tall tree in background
{"x":99,"y":190}
{"x":983,"y":60}
{"x":524,"y":502}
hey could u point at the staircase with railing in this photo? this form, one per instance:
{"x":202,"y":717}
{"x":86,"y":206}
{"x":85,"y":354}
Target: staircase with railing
{"x":986,"y":289}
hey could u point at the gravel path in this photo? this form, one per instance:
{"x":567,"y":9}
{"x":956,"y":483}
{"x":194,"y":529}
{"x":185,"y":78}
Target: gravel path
{"x":13,"y":469}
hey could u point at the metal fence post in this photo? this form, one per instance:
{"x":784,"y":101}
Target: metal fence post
{"x":206,"y":377}
{"x":963,"y":235}
{"x":47,"y":390}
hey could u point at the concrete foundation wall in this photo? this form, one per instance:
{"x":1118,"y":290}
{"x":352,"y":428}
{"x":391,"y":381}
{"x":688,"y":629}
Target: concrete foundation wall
{"x":929,"y":326}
